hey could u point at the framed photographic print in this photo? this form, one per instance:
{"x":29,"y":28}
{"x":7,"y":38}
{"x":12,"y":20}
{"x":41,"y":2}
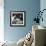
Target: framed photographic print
{"x":17,"y":18}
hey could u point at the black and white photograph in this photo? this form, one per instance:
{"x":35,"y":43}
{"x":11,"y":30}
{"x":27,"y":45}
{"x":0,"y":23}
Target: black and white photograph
{"x":17,"y":18}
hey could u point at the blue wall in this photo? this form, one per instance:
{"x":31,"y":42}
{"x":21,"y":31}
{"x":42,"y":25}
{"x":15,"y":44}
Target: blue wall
{"x":43,"y":6}
{"x":30,"y":6}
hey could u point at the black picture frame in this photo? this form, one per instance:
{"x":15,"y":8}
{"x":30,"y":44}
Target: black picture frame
{"x":17,"y":18}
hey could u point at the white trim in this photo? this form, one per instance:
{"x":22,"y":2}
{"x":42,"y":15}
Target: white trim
{"x":1,"y":20}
